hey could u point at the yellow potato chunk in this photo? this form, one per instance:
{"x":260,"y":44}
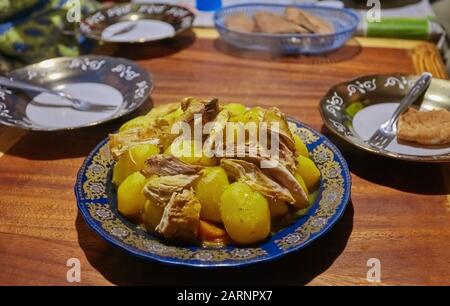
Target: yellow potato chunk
{"x":235,"y":109}
{"x":173,"y":116}
{"x":254,"y":114}
{"x":153,"y":214}
{"x":138,"y":122}
{"x":300,"y":180}
{"x":300,"y":147}
{"x":120,"y":171}
{"x":191,"y":152}
{"x":208,"y":189}
{"x":308,"y":172}
{"x":130,"y":198}
{"x":245,"y":213}
{"x":277,"y":208}
{"x":133,"y":160}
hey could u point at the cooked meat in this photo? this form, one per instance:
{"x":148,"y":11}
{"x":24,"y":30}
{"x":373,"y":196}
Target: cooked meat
{"x":155,"y":134}
{"x":308,"y":21}
{"x":181,"y":217}
{"x":159,"y":132}
{"x":252,"y":175}
{"x":425,"y":127}
{"x":208,"y":109}
{"x":274,"y":168}
{"x":283,"y":176}
{"x":160,"y":189}
{"x":274,"y":115}
{"x":166,"y":165}
{"x":163,"y":110}
{"x":240,"y":22}
{"x":217,"y":131}
{"x":272,"y":23}
{"x":287,"y":157}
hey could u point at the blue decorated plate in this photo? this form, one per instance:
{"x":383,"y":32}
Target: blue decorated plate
{"x":96,"y":199}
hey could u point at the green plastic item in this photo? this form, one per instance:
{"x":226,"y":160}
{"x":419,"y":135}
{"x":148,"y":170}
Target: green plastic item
{"x":407,"y":28}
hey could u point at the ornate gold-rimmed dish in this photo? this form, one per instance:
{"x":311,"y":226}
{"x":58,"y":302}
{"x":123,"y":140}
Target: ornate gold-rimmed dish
{"x":96,"y":79}
{"x":137,"y":23}
{"x":97,"y":203}
{"x":353,"y":110}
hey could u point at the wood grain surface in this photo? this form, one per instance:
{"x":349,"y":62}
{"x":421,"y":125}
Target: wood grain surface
{"x":399,"y":212}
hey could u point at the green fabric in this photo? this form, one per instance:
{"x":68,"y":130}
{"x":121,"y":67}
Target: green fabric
{"x":408,"y":28}
{"x":9,"y":8}
{"x":39,"y":36}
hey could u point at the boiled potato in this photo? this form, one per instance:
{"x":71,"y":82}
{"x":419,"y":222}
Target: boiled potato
{"x":300,"y":147}
{"x":300,"y":180}
{"x":130,"y":198}
{"x":162,"y":110}
{"x":120,"y":171}
{"x":235,"y":109}
{"x":138,"y":122}
{"x":277,"y":208}
{"x":173,"y":116}
{"x":308,"y":171}
{"x":245,"y":213}
{"x":153,"y":214}
{"x":186,"y":151}
{"x":254,"y":114}
{"x":133,"y":160}
{"x":208,"y":190}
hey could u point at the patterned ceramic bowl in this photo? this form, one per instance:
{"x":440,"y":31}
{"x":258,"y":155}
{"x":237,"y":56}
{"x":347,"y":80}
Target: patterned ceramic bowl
{"x":97,"y":203}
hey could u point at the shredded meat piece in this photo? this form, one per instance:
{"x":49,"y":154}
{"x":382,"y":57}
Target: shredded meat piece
{"x":160,"y":189}
{"x":166,"y":165}
{"x":181,"y":217}
{"x":252,"y":175}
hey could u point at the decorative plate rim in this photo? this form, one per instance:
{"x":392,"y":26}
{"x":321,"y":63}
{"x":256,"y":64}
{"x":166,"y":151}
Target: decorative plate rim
{"x":198,"y":263}
{"x":380,"y":152}
{"x":148,"y":77}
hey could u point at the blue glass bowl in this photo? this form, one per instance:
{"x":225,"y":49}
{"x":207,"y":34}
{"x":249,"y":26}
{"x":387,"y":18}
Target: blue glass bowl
{"x":344,"y":21}
{"x":97,"y":203}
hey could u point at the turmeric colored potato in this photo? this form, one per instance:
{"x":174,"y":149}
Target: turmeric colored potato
{"x":153,"y":214}
{"x":300,"y":180}
{"x":277,"y":208}
{"x":300,"y":147}
{"x":130,"y":198}
{"x":245,"y":213}
{"x":173,"y":116}
{"x":208,"y":190}
{"x":132,"y":161}
{"x":191,"y":152}
{"x":235,"y":109}
{"x":309,"y":172}
{"x":138,"y":122}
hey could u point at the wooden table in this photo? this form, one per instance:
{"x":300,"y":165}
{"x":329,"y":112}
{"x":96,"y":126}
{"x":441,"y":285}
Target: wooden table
{"x":399,"y":212}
